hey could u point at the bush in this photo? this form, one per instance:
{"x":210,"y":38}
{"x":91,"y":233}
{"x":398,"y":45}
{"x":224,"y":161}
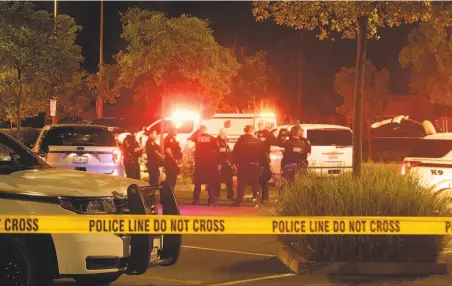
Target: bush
{"x":378,"y":192}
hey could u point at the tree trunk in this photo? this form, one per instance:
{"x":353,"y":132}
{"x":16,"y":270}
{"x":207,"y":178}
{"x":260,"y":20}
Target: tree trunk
{"x":19,"y":108}
{"x":369,"y":142}
{"x":362,"y":22}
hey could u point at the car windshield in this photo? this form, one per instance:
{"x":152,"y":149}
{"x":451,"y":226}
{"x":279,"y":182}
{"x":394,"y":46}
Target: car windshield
{"x":77,"y":136}
{"x":427,"y":148}
{"x":16,"y":157}
{"x":329,"y":137}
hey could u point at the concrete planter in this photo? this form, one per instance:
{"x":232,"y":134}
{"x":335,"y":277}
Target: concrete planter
{"x":300,"y":265}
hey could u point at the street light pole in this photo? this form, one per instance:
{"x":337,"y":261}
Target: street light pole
{"x":55,"y":14}
{"x":99,"y":102}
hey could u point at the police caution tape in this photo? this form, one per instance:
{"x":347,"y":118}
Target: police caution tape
{"x":140,"y":224}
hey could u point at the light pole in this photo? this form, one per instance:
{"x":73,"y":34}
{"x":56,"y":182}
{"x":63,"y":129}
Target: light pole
{"x":53,"y":100}
{"x":99,"y":102}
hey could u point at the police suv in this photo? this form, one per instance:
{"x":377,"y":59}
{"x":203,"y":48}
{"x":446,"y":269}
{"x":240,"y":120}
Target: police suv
{"x":331,"y":148}
{"x":29,"y":186}
{"x":431,"y":160}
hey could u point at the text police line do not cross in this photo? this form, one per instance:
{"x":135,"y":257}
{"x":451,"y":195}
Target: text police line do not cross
{"x":141,"y":224}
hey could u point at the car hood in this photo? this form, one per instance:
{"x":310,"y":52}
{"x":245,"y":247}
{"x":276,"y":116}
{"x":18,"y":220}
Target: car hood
{"x":58,"y":182}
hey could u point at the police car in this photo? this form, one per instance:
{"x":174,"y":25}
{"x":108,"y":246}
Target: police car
{"x":331,"y":148}
{"x":29,"y":186}
{"x":431,"y":160}
{"x":90,"y":148}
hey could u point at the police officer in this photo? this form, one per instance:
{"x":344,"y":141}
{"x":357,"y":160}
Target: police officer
{"x":247,"y":153}
{"x":173,"y":153}
{"x":295,"y":154}
{"x":225,"y":165}
{"x":267,"y":139}
{"x":206,"y":151}
{"x":155,"y":158}
{"x":132,"y":153}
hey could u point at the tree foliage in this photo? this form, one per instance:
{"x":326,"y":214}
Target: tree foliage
{"x":428,"y":56}
{"x":103,"y":83}
{"x":350,"y":19}
{"x":38,"y":55}
{"x":376,"y":90}
{"x":173,"y":55}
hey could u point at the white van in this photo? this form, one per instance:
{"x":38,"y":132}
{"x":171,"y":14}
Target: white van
{"x":187,"y":123}
{"x":331,"y":152}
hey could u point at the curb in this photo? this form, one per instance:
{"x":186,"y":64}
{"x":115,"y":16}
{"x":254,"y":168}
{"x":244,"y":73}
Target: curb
{"x":300,"y":265}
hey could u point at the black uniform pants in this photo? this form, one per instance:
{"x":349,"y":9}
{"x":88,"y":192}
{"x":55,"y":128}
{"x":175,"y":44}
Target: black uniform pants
{"x":172,"y":171}
{"x":264,"y":177}
{"x":247,"y":174}
{"x":132,"y":169}
{"x":154,"y":175}
{"x":204,"y":175}
{"x":226,"y":177}
{"x":289,"y":170}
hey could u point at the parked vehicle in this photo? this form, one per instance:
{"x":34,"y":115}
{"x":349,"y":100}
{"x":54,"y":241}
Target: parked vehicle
{"x":29,"y":186}
{"x":431,"y":159}
{"x":116,"y":125}
{"x":331,"y":152}
{"x":88,"y":148}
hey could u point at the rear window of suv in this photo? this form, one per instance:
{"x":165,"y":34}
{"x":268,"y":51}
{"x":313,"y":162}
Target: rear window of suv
{"x":428,"y":148}
{"x":77,"y":136}
{"x":329,"y":137}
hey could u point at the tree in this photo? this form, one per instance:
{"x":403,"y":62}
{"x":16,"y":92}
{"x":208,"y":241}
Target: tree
{"x":173,"y":56}
{"x":428,"y":56}
{"x":375,"y":93}
{"x":37,"y":55}
{"x":104,"y":85}
{"x":350,"y":19}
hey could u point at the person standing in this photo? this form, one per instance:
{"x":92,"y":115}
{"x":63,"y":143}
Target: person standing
{"x":173,"y":153}
{"x":225,"y":165}
{"x":267,"y":139}
{"x":247,"y":153}
{"x":155,"y":158}
{"x":295,"y":154}
{"x":206,"y":151}
{"x":131,"y":154}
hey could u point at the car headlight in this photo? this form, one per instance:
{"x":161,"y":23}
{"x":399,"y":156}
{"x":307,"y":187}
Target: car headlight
{"x":89,"y":205}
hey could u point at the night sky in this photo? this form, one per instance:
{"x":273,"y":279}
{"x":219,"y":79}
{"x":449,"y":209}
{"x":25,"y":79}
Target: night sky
{"x":233,"y":23}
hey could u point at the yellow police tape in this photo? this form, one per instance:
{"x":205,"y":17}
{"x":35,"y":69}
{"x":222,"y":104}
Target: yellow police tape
{"x":140,"y":224}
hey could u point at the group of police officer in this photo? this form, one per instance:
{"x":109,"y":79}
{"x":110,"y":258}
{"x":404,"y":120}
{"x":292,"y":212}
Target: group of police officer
{"x":215,"y":162}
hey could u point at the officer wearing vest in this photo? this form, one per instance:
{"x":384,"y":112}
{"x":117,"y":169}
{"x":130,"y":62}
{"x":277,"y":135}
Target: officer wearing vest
{"x":132,"y":153}
{"x":247,"y":154}
{"x":295,"y":155}
{"x":206,"y":152}
{"x":154,"y":157}
{"x":225,"y":165}
{"x":267,"y":139}
{"x":173,"y":153}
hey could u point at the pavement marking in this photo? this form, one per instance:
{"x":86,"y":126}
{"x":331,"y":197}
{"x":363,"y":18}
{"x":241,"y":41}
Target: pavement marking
{"x":254,"y":279}
{"x":229,"y":251}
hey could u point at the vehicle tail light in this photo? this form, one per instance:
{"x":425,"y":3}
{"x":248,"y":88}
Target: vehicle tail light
{"x":407,"y":165}
{"x":117,"y":156}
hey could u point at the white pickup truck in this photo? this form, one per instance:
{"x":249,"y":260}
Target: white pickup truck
{"x":28,"y":185}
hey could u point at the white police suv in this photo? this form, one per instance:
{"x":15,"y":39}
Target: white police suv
{"x":29,"y":186}
{"x":431,"y":160}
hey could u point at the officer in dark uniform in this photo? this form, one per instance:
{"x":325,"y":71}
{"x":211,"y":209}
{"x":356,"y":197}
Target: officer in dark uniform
{"x":132,"y":153}
{"x":173,"y":153}
{"x":267,"y":139}
{"x":295,"y":155}
{"x":247,"y":154}
{"x":155,"y":158}
{"x":206,"y":152}
{"x":225,"y":165}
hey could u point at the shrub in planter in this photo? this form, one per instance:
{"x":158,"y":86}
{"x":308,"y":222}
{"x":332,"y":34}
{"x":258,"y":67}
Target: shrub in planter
{"x":378,"y":192}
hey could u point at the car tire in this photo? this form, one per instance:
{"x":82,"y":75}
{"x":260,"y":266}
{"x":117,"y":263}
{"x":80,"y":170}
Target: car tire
{"x":97,"y":279}
{"x":19,"y":264}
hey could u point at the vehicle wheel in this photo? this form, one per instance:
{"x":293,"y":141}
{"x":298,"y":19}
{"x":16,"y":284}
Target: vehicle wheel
{"x":18,"y":263}
{"x":98,"y":279}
